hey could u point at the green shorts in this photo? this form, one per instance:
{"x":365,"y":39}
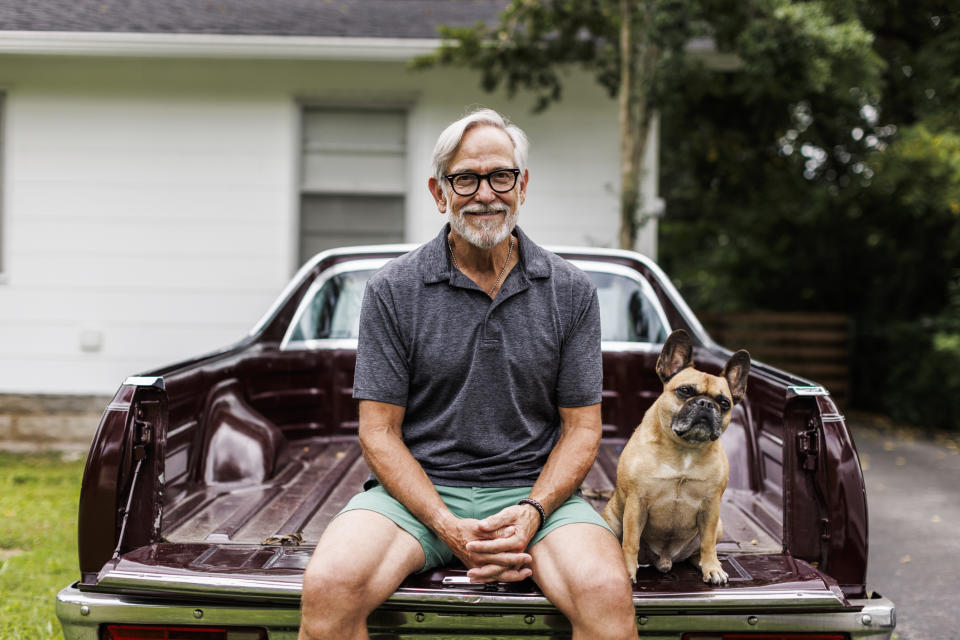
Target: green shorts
{"x":468,"y":502}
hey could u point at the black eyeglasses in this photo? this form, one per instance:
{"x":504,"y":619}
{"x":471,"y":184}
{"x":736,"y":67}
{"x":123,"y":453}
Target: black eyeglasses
{"x":466,"y":183}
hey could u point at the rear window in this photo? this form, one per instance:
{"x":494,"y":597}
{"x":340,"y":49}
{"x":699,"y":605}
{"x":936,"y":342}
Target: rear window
{"x":333,"y":311}
{"x":629,"y":311}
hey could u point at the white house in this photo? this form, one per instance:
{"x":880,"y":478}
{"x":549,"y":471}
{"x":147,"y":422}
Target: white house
{"x":166,"y":166}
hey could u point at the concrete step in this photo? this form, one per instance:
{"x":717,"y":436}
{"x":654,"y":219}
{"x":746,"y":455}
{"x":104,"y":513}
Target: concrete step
{"x":31,"y":422}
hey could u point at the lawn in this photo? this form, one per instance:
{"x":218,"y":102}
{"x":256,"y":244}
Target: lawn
{"x":38,"y":540}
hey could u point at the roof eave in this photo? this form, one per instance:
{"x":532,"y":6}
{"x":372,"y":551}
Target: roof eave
{"x":193,"y":45}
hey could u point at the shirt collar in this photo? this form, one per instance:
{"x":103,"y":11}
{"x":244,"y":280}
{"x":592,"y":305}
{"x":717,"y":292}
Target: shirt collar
{"x":437,"y":266}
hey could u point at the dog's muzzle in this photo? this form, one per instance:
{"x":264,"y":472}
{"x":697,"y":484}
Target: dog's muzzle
{"x":699,"y":420}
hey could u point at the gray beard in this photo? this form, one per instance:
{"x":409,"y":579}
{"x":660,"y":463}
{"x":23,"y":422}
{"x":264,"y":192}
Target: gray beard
{"x":488,"y":233}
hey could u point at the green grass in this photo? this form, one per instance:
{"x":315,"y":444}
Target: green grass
{"x":38,"y":541}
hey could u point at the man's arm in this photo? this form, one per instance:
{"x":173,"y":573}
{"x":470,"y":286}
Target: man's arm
{"x":403,"y":477}
{"x":571,"y":459}
{"x":566,"y":467}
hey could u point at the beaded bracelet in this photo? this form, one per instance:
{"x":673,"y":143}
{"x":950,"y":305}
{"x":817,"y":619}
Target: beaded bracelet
{"x":539,"y":507}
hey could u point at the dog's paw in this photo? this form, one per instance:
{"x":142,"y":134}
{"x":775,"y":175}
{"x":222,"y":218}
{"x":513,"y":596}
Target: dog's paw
{"x":714,"y":574}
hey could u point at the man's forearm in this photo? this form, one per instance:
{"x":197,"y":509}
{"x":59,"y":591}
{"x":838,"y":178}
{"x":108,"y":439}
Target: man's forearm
{"x":402,"y":476}
{"x":571,"y":459}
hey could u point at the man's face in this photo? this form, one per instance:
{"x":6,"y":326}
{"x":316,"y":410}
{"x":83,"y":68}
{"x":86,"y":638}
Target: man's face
{"x":485,"y":218}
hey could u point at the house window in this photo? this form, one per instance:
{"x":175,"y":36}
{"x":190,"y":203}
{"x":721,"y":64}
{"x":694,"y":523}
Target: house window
{"x":352,"y":177}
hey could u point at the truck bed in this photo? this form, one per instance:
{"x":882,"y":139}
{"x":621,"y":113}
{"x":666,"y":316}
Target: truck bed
{"x":295,"y":506}
{"x":252,"y":543}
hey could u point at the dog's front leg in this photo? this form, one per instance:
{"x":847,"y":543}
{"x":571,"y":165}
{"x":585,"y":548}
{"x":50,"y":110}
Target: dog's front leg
{"x":634,"y":520}
{"x":613,"y":514}
{"x":708,"y":524}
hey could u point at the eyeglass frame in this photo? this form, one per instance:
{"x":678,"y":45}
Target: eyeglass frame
{"x":481,"y":178}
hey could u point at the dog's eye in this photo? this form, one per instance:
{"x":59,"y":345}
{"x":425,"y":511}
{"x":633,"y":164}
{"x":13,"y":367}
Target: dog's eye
{"x":723,"y":402}
{"x":686,"y":391}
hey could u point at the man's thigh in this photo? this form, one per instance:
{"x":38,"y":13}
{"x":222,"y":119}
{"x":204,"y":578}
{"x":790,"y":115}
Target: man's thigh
{"x":576,"y":561}
{"x":363,"y":551}
{"x":378,"y":500}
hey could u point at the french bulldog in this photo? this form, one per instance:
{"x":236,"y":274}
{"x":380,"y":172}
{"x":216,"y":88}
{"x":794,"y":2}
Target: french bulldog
{"x":673,"y":470}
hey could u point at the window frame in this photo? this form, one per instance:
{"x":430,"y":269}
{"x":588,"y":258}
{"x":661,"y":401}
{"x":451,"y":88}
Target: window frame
{"x":364,"y":101}
{"x":288,"y":343}
{"x":645,"y":287}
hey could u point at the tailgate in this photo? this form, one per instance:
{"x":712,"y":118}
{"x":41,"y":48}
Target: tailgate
{"x":275,"y":574}
{"x":254,"y":586}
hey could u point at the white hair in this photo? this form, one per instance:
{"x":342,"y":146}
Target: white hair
{"x":449,"y":140}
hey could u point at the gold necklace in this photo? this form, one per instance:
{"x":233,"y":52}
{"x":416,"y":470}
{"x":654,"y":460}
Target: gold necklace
{"x":495,"y":284}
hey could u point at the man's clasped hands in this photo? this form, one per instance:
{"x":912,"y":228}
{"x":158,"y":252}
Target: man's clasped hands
{"x":493,"y":549}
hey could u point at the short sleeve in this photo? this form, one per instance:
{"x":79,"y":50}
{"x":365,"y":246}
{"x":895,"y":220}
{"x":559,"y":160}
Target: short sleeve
{"x":382,"y":371}
{"x":580,"y":378}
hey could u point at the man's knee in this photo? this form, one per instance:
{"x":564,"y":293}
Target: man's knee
{"x":340,"y":589}
{"x":333,"y":598}
{"x":328,"y":580}
{"x":606,"y":583}
{"x":603,"y":603}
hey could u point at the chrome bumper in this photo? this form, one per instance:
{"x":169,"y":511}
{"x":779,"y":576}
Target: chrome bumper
{"x":82,"y":613}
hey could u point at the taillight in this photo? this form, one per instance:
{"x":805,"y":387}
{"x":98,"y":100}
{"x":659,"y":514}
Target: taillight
{"x":143,"y":632}
{"x":765,"y":636}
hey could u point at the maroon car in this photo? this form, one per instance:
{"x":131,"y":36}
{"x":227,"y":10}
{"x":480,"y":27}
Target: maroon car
{"x":209,"y":482}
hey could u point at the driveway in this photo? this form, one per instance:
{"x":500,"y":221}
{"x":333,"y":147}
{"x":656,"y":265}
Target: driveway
{"x":913,"y":482}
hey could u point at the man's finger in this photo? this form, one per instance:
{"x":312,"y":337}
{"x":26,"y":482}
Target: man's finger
{"x":496,"y":545}
{"x":486,"y":573}
{"x":494,"y":572}
{"x":498,"y":520}
{"x":506,"y":559}
{"x":515,"y":575}
{"x":502,"y":561}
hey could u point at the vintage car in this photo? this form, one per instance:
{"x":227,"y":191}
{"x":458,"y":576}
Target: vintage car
{"x":209,"y":482}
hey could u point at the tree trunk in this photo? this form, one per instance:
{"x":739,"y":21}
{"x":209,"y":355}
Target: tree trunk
{"x":638,"y":61}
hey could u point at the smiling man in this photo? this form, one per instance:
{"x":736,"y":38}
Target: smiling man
{"x":479,"y":380}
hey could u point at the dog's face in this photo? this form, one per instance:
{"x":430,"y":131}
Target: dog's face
{"x":695,"y":406}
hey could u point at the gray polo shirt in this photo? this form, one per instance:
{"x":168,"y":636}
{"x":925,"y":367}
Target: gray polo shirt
{"x":481,"y":379}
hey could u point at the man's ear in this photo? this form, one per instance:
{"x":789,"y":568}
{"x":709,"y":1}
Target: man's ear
{"x":436,"y":190}
{"x":676,"y":355}
{"x":524,"y":180}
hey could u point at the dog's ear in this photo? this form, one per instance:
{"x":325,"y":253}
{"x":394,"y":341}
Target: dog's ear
{"x":736,"y":372}
{"x":676,"y":355}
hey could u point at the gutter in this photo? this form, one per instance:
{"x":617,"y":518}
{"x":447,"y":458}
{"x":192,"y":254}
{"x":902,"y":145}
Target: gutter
{"x":227,"y":46}
{"x":195,"y":45}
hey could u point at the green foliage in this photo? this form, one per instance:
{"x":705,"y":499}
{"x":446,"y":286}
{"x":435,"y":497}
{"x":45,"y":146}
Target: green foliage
{"x":792,"y":48}
{"x":38,"y":541}
{"x":917,"y":365}
{"x":752,"y":158}
{"x":533,"y":43}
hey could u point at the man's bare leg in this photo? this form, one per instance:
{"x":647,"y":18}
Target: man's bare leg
{"x":579,"y":567}
{"x":359,"y":562}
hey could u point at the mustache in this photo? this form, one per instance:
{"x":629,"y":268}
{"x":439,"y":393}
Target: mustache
{"x":478,"y":208}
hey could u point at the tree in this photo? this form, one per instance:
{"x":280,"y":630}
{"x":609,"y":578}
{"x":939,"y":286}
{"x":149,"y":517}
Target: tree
{"x":638,"y":49}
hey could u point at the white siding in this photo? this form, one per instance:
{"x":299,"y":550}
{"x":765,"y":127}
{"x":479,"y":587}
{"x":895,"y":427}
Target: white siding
{"x":151,"y":206}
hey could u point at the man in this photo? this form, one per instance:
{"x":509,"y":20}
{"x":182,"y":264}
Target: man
{"x":479,"y":379}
